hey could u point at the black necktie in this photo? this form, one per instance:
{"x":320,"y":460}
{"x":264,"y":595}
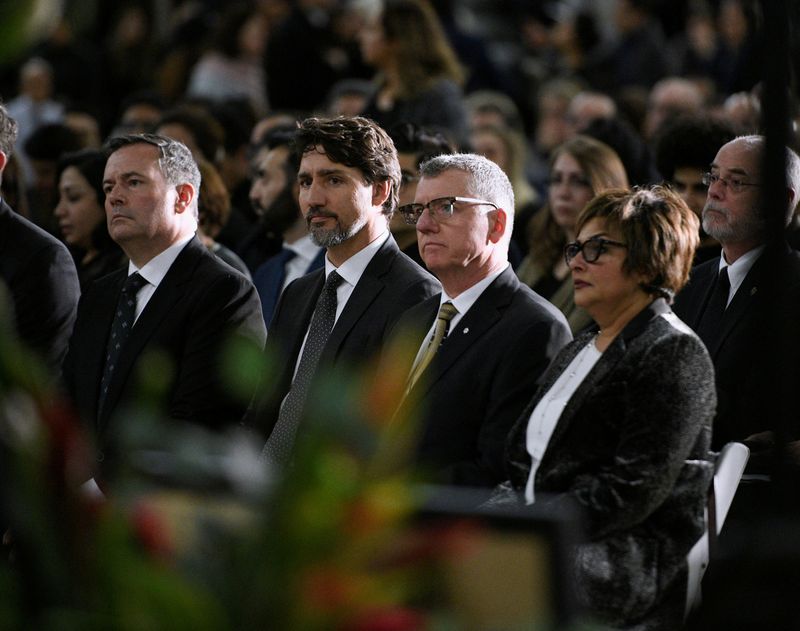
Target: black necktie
{"x":120,"y":328}
{"x":279,"y":445}
{"x":710,"y":325}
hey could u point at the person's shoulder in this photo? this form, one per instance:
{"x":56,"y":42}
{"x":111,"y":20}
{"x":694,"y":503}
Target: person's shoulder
{"x":408,"y":270}
{"x":528,"y":301}
{"x":24,"y":235}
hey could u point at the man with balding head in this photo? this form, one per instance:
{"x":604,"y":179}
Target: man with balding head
{"x":745,"y":304}
{"x":484,"y":341}
{"x":176,"y":300}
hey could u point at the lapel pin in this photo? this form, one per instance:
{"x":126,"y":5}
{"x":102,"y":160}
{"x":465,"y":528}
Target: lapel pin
{"x":465,"y":331}
{"x":753,"y":291}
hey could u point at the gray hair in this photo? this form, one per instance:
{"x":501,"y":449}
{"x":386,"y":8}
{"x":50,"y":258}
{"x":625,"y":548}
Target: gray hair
{"x":757,"y":143}
{"x":8,"y":131}
{"x":487,"y":181}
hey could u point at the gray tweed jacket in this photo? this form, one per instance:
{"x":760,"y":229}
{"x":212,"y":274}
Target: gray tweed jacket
{"x":631,"y":448}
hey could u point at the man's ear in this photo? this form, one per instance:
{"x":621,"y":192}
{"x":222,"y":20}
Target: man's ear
{"x":186,"y":194}
{"x":497,"y":224}
{"x":380,"y":192}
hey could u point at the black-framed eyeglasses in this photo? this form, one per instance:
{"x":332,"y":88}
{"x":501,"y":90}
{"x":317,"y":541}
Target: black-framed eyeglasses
{"x":441,"y":209}
{"x":591,"y":249}
{"x":733,"y":184}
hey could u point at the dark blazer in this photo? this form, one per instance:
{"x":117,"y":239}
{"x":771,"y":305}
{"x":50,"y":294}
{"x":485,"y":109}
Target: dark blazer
{"x":43,"y":282}
{"x":756,"y":357}
{"x":481,"y":378}
{"x":390,"y":284}
{"x":198,"y":303}
{"x":631,"y":449}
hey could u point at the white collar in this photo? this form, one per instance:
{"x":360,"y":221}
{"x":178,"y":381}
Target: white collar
{"x":156,"y":268}
{"x":352,"y":269}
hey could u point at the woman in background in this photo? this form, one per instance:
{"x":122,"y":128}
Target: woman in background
{"x":419,"y":77}
{"x":580,"y":168}
{"x":214,"y":208}
{"x":81,"y":215}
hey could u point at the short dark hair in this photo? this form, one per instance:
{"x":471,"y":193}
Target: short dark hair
{"x":355,"y":142}
{"x":660,"y":230}
{"x":206,"y":130}
{"x":424,"y":143}
{"x":8,"y":131}
{"x":91,"y":164}
{"x":51,"y":141}
{"x":690,"y":141}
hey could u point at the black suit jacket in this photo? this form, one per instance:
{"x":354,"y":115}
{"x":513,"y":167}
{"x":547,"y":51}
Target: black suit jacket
{"x":41,"y":277}
{"x":481,"y":378}
{"x":390,"y":284}
{"x":756,"y":358}
{"x":631,"y":449}
{"x":200,"y":301}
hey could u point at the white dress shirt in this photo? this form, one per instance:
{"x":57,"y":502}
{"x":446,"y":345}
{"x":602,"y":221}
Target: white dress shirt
{"x":305,"y":252}
{"x":739,"y":269}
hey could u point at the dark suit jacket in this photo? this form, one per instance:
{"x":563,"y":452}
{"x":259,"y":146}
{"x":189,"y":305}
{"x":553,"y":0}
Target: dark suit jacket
{"x":41,"y":277}
{"x":481,"y":378}
{"x":390,"y":284}
{"x":198,"y":303}
{"x":631,"y":449}
{"x":756,"y":358}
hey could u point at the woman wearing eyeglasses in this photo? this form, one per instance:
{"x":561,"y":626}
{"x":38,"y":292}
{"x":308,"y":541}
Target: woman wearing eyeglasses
{"x":580,"y":168}
{"x":621,"y":422}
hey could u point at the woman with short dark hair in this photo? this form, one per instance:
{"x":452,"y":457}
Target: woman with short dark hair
{"x":621,"y":422}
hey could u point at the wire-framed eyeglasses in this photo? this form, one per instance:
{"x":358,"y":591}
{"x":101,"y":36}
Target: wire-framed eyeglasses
{"x":733,"y":184}
{"x":441,"y":209}
{"x":591,"y":249}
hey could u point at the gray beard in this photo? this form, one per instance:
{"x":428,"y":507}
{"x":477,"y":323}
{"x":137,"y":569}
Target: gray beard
{"x":732,"y":232}
{"x":331,"y":237}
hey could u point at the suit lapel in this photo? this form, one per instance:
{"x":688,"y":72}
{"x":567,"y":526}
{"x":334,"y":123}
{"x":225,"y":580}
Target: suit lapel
{"x":168,"y":293}
{"x":369,"y":286}
{"x":482,"y":316}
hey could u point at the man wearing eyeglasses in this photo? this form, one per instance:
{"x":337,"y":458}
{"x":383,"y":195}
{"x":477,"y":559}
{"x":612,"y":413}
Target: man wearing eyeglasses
{"x":176,"y":302}
{"x":745,"y":304}
{"x":484,"y":341}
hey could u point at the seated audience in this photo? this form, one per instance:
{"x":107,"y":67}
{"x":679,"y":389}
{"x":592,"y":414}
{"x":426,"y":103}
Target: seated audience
{"x":621,"y":422}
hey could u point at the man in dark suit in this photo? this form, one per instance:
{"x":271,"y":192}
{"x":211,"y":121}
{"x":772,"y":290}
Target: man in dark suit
{"x":273,"y":195}
{"x":175,"y":301}
{"x":500,"y":336}
{"x":745,"y":305}
{"x":339,"y":316}
{"x":38,"y":273}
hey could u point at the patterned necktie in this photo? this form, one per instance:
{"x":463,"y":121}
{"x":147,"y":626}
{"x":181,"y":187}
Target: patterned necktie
{"x":120,"y":328}
{"x":446,"y":313}
{"x":280,"y":442}
{"x":710,"y":325}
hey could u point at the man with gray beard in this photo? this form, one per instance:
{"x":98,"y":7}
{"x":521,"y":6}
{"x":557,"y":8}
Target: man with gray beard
{"x":745,"y":305}
{"x":338,"y":316}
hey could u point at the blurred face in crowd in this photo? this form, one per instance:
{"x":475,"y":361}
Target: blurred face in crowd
{"x":569,"y":191}
{"x":408,"y":189}
{"x":492,"y":147}
{"x":271,"y":185}
{"x":374,"y":46}
{"x":688,"y":183}
{"x":78,"y":211}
